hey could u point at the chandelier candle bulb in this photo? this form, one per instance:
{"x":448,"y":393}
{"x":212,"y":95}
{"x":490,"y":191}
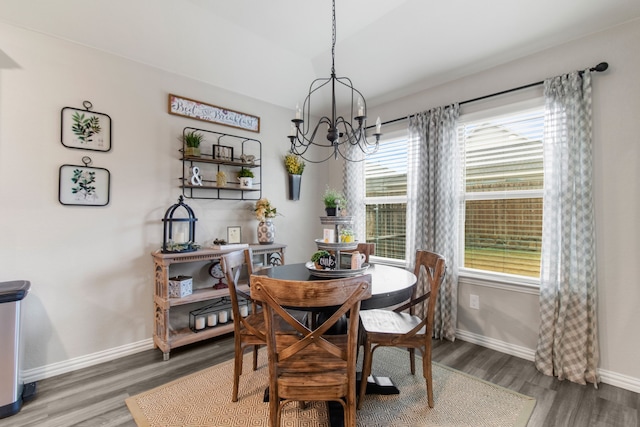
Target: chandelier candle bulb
{"x":360,"y":108}
{"x":298,"y":112}
{"x":378,"y":125}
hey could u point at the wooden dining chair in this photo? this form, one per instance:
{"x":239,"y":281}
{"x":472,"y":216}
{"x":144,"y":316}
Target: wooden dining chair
{"x":249,"y":330}
{"x":311,"y":365}
{"x":411,"y":329}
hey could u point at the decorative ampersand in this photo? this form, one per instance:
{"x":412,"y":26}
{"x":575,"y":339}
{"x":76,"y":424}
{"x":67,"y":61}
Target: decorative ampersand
{"x":196,"y":179}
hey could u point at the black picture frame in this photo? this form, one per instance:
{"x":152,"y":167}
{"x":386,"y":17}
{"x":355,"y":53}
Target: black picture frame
{"x":84,"y":185}
{"x":222,"y":152}
{"x":85,"y":130}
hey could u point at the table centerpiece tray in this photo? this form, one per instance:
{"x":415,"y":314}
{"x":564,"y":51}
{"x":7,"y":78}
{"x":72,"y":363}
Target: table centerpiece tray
{"x":336,"y":220}
{"x":337,"y":273}
{"x":336,"y":246}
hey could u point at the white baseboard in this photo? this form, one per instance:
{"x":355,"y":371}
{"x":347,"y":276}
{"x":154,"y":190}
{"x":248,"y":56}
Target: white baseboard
{"x":47,"y":371}
{"x":618,"y":380}
{"x":494,"y":344}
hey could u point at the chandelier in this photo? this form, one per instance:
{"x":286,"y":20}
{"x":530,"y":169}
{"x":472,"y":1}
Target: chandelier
{"x":343,"y":137}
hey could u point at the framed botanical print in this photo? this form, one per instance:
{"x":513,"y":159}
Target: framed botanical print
{"x":85,"y":130}
{"x":84,"y":185}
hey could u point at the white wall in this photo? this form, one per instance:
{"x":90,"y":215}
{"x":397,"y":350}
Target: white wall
{"x":90,"y":267}
{"x":512,"y":318}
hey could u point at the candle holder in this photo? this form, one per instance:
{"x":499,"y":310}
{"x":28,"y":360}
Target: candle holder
{"x":218,"y":313}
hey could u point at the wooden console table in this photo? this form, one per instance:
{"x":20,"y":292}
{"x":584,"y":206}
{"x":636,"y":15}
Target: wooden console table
{"x":171,"y":328}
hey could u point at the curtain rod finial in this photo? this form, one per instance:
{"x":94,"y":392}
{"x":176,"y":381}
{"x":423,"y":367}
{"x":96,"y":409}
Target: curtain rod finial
{"x":600,"y":67}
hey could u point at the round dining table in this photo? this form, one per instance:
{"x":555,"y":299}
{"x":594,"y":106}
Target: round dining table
{"x":390,"y":285}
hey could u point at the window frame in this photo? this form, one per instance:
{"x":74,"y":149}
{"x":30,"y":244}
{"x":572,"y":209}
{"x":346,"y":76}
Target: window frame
{"x":400,"y":135}
{"x":487,"y":277}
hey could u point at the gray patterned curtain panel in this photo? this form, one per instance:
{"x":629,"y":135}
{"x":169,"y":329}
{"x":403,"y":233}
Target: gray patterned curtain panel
{"x":568,"y":336}
{"x":433,"y":201}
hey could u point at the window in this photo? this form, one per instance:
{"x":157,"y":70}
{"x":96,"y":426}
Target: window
{"x":503,"y":184}
{"x":386,"y":198}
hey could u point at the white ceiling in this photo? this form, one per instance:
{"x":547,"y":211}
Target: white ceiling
{"x":272,"y":49}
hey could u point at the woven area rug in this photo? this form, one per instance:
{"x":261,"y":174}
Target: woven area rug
{"x":204,"y":399}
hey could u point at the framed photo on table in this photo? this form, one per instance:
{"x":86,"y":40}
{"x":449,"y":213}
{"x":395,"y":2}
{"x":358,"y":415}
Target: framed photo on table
{"x":234,"y":234}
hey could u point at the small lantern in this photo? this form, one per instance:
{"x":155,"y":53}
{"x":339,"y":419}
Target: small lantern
{"x":179,"y":233}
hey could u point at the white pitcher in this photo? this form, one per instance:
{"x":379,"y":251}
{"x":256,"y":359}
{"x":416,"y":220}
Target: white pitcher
{"x":357,"y":259}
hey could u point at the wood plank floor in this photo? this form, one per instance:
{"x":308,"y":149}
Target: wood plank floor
{"x":95,"y":396}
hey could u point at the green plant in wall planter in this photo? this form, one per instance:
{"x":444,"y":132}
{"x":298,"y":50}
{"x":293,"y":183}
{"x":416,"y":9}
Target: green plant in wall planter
{"x":192,"y":141}
{"x":245,"y":173}
{"x":245,"y":177}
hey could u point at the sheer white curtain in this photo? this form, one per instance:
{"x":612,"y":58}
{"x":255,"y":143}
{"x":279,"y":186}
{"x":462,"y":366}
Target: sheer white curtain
{"x":568,"y":336}
{"x":433,"y":202}
{"x":353,"y":187}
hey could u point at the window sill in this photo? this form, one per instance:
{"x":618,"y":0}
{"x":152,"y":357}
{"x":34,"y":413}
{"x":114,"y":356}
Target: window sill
{"x":388,"y":261}
{"x":506,"y":282}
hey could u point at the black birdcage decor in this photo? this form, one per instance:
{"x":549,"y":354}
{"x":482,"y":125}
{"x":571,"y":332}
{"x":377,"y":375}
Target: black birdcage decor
{"x":179,"y":229}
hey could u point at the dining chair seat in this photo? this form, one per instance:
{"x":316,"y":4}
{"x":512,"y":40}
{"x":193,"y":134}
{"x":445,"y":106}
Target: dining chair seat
{"x":385,"y":323}
{"x":409,"y":325}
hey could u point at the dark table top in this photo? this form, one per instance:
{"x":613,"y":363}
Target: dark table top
{"x":389,"y":285}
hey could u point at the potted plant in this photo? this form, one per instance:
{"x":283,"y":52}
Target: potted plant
{"x":334,"y":200}
{"x":322,"y":260}
{"x":265,"y":212}
{"x":294,"y":166}
{"x":346,"y":235}
{"x":192,"y":140}
{"x":245,"y":177}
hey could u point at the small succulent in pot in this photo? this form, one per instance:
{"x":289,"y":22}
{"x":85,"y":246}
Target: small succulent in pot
{"x":323,"y":260}
{"x":192,"y":141}
{"x":334,"y":200}
{"x":245,"y":173}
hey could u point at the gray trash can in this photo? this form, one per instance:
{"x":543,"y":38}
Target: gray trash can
{"x":12,"y":388}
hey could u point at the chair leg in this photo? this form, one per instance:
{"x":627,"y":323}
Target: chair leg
{"x":275,"y":408}
{"x":426,"y":369}
{"x":350,"y":411}
{"x":237,"y":370}
{"x":412,"y":360}
{"x":255,"y":357}
{"x":366,"y":371}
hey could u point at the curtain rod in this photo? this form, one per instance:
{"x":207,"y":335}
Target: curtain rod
{"x":598,"y":68}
